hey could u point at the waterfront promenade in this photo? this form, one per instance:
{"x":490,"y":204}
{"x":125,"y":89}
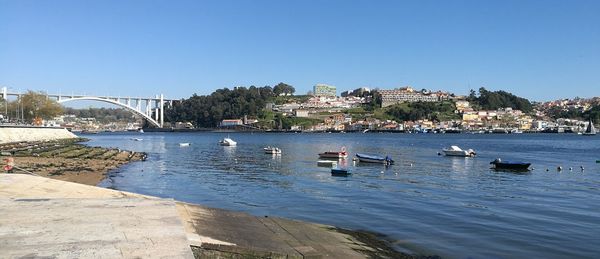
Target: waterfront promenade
{"x":43,"y":217}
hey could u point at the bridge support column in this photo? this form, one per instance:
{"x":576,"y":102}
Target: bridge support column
{"x":162,"y":110}
{"x":148,"y":108}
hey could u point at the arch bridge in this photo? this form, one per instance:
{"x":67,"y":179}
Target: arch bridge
{"x":142,"y":106}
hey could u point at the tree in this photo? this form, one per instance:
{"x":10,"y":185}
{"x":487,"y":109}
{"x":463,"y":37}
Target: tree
{"x":283,"y":88}
{"x":37,"y":105}
{"x":375,"y":102}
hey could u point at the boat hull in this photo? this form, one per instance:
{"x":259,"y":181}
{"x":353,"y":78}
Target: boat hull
{"x":461,"y":153}
{"x":339,"y":172}
{"x":334,"y":155}
{"x":273,"y":151}
{"x":510,"y":166}
{"x":373,"y":159}
{"x":329,"y":163}
{"x":227,"y":142}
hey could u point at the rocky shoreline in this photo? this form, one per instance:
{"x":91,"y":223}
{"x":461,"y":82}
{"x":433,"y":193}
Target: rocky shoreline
{"x":68,"y":160}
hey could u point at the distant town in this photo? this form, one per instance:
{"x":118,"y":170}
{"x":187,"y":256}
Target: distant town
{"x":404,"y":109}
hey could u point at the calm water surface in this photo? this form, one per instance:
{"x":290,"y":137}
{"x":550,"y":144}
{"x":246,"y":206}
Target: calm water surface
{"x":425,"y":203}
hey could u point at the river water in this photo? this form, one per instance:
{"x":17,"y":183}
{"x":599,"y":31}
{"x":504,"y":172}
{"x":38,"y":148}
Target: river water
{"x":428,"y":204}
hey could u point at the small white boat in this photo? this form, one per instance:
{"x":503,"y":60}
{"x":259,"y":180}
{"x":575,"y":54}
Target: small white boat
{"x":137,"y":139}
{"x":227,"y":142}
{"x":327,"y":163}
{"x":456,"y":151}
{"x":184,"y":144}
{"x":141,"y":130}
{"x":272,"y":150}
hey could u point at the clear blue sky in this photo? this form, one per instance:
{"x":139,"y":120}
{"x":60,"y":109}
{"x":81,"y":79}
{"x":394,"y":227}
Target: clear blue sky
{"x":541,"y":50}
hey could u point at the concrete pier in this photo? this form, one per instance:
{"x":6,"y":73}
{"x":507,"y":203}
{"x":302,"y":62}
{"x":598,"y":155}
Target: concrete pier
{"x":9,"y":134}
{"x":42,"y":217}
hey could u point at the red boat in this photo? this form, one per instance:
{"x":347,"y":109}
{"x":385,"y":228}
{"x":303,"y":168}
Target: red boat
{"x":334,"y":154}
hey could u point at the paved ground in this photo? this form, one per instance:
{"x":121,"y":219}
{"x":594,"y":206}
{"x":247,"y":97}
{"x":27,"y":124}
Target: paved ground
{"x":91,"y":228}
{"x":44,"y":217}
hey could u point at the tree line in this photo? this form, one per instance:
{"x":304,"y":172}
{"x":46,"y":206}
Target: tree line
{"x":209,"y":110}
{"x":489,"y":100}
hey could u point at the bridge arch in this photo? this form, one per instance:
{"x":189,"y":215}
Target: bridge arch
{"x":135,"y":111}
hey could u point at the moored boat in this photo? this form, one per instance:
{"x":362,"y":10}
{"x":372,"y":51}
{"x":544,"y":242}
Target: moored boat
{"x":369,"y":158}
{"x":498,"y":164}
{"x":326,"y":163}
{"x":184,"y":144}
{"x":339,"y":172}
{"x":334,"y":154}
{"x":227,"y":142}
{"x":453,"y":131}
{"x":590,"y":130}
{"x":456,"y":151}
{"x":272,"y":150}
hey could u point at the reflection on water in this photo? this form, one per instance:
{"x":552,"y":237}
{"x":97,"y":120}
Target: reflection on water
{"x":450,"y":206}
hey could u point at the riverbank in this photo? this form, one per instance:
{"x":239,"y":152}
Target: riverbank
{"x":68,"y":160}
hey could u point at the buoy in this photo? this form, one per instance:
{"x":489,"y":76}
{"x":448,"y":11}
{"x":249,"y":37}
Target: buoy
{"x":439,"y":154}
{"x":570,"y":168}
{"x":547,"y":169}
{"x":411,"y":164}
{"x":559,"y":168}
{"x":582,"y":168}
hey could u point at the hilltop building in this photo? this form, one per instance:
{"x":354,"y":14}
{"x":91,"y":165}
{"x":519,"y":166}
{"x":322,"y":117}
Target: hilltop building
{"x":324,"y":90}
{"x":356,"y":92}
{"x":407,"y":94}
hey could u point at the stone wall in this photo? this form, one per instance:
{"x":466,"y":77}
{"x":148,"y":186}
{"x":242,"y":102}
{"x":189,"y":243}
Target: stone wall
{"x":19,"y":134}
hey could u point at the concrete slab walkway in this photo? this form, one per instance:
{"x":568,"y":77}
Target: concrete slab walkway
{"x":91,"y":228}
{"x":42,"y":217}
{"x":45,"y":218}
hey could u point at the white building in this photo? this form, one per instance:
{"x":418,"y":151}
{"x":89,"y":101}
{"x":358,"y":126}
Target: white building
{"x":324,"y":90}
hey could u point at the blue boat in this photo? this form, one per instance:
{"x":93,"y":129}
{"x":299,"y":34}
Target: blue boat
{"x":374,"y":159}
{"x":498,"y":164}
{"x":339,"y":172}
